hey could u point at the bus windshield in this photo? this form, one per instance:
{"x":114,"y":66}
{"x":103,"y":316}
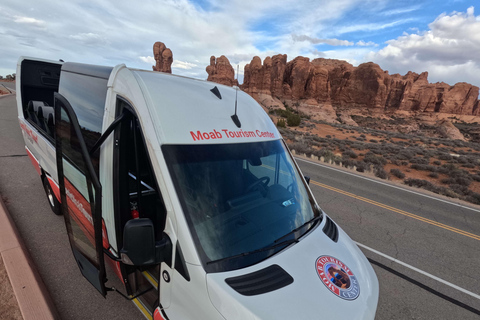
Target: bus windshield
{"x":238,"y":199}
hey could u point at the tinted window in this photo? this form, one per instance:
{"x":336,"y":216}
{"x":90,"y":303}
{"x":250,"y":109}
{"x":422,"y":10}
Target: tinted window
{"x":238,"y":198}
{"x":86,"y":95}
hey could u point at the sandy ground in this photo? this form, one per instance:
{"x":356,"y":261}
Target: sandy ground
{"x":322,"y":130}
{"x":8,"y":303}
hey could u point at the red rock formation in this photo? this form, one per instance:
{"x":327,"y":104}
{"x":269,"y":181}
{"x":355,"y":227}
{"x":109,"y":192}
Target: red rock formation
{"x":366,"y":86}
{"x":446,"y":129}
{"x":163,"y":57}
{"x":221,"y":71}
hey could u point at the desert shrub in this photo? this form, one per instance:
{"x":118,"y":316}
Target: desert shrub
{"x":380,"y":172}
{"x":395,"y":162}
{"x":437,"y":163}
{"x":348,"y":163}
{"x":463,"y":181}
{"x":361,"y":166}
{"x":405,"y":154}
{"x":460,"y":180}
{"x":375,"y":160}
{"x":281,"y":123}
{"x":452,"y":171}
{"x":419,"y":183}
{"x":468,"y":165}
{"x":447,"y":181}
{"x":445,"y":156}
{"x":473,"y":197}
{"x":433,"y":175}
{"x":373,"y":141}
{"x":420,"y":167}
{"x":459,"y":189}
{"x":476,"y":177}
{"x":447,"y":168}
{"x":462,"y":159}
{"x":427,"y":185}
{"x":326,"y":153}
{"x":377,"y":150}
{"x":357,"y":145}
{"x":293,"y":120}
{"x":349,"y":153}
{"x":397,"y":173}
{"x":300,"y":147}
{"x":419,"y":160}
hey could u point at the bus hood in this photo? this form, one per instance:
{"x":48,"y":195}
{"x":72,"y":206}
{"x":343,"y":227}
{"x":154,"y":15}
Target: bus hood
{"x":313,"y":264}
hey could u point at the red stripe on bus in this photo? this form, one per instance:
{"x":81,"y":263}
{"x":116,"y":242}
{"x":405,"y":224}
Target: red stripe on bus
{"x":34,"y":161}
{"x":55,"y":188}
{"x":157,"y":315}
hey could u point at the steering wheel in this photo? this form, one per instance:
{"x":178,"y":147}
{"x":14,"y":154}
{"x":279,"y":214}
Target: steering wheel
{"x":256,"y":183}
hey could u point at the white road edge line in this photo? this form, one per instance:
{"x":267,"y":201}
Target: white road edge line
{"x":386,"y":184}
{"x":10,"y":90}
{"x":420,"y":271}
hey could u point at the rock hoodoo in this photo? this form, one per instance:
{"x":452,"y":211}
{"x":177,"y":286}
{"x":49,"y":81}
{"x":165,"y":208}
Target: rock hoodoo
{"x":221,"y":71}
{"x":344,"y":86}
{"x":163,"y":58}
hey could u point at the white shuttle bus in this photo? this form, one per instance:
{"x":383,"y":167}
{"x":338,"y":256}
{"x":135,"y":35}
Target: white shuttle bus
{"x":186,"y":188}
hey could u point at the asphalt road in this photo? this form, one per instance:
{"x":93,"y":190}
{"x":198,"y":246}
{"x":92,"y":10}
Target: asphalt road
{"x":8,"y":84}
{"x":386,"y":219}
{"x":389,"y":219}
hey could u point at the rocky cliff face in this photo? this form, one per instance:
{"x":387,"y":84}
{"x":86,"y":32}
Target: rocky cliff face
{"x":344,"y":86}
{"x":163,"y":58}
{"x":221,"y":71}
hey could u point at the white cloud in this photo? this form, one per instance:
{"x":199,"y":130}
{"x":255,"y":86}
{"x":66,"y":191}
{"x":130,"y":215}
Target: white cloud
{"x":371,"y":26}
{"x":362,"y":43}
{"x":237,"y":58}
{"x":332,"y":42}
{"x":448,"y":50}
{"x":400,"y":11}
{"x":318,"y":54}
{"x":183,"y":65}
{"x":148,"y":59}
{"x":30,"y":21}
{"x":89,"y":39}
{"x":99,"y":33}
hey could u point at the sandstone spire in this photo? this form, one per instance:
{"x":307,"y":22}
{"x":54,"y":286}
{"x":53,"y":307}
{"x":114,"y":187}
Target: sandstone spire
{"x":163,"y":57}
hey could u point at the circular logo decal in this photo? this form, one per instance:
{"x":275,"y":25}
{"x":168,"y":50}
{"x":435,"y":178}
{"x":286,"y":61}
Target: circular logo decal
{"x":337,"y":277}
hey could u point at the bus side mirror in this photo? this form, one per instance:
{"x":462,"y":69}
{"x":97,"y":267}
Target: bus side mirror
{"x":307,"y":179}
{"x":139,"y":245}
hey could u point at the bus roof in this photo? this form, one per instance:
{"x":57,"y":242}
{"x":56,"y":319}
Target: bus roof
{"x":186,"y":111}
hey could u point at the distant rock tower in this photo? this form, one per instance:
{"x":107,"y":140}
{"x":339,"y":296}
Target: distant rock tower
{"x":221,"y":71}
{"x":163,"y":57}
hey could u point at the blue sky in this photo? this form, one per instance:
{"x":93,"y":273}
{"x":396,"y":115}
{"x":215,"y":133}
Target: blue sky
{"x":441,"y":37}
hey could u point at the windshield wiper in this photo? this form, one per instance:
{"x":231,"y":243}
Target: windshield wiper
{"x":313,"y":220}
{"x":284,"y":243}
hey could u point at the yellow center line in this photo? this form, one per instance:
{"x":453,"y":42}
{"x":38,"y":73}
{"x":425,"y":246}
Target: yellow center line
{"x":405,"y":213}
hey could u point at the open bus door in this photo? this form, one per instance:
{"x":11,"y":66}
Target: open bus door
{"x":81,"y":195}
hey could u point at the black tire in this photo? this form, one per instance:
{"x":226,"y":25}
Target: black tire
{"x":51,"y":198}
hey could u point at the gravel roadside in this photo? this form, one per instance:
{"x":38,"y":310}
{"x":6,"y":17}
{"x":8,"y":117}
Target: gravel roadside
{"x":9,"y":308}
